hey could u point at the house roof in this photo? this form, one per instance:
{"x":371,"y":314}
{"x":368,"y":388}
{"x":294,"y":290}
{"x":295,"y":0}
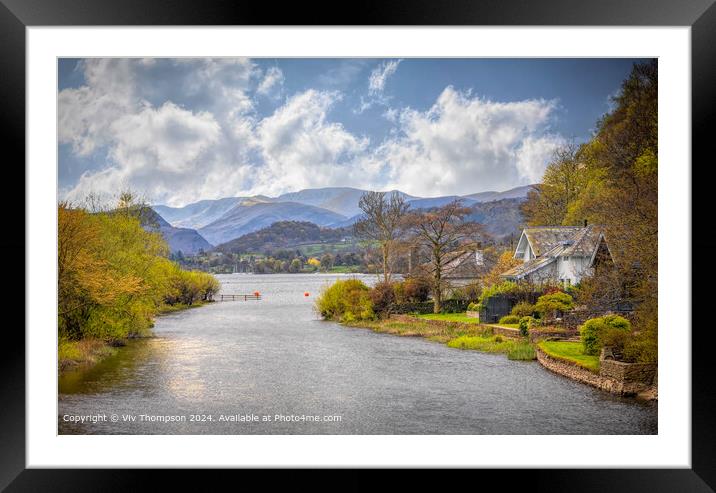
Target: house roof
{"x":544,"y":238}
{"x":528,"y":267}
{"x":550,"y":242}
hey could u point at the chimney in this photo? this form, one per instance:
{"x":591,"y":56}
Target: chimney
{"x":585,"y":223}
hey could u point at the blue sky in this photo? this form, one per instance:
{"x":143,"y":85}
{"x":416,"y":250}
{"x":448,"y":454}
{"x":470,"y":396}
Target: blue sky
{"x":180,"y":130}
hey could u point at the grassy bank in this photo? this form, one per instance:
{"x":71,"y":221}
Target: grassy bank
{"x":450,"y":317}
{"x":570,"y":351}
{"x":90,"y":351}
{"x":87,"y":352}
{"x":459,"y":335}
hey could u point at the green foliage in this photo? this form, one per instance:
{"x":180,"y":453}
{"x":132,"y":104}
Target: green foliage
{"x":504,"y":287}
{"x":570,"y":351}
{"x":510,"y":319}
{"x":643,"y":346}
{"x":450,"y":317}
{"x":473,"y":307}
{"x":525,"y":325}
{"x":523,"y":309}
{"x":113,"y":274}
{"x":554,"y":302}
{"x":346,"y":301}
{"x":522,"y":350}
{"x":596,"y":332}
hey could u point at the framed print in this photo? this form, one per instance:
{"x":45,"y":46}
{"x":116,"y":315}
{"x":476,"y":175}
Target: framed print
{"x":421,"y":238}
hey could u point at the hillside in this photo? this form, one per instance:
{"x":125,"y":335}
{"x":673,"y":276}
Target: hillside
{"x":341,"y":200}
{"x":501,"y":217}
{"x":186,"y":240}
{"x":249,"y":217}
{"x":283,"y":234}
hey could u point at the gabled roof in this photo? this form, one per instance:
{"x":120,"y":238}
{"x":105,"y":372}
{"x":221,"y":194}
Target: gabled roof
{"x":544,"y":238}
{"x":550,"y":242}
{"x":528,"y":267}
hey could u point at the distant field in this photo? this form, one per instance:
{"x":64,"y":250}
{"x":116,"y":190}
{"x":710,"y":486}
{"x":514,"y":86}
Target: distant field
{"x":315,"y":249}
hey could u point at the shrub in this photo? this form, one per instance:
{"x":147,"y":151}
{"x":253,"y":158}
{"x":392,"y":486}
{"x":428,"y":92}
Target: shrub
{"x":510,"y":319}
{"x":523,"y":309}
{"x":473,"y":307}
{"x":383,"y":298}
{"x":345,"y":300}
{"x":412,"y":290}
{"x":525,"y":325}
{"x":554,"y":302}
{"x":596,"y":332}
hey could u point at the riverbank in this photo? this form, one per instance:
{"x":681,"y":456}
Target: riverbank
{"x":87,"y":352}
{"x":468,"y":335}
{"x":560,"y":357}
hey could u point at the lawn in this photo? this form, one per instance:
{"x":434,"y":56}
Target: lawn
{"x":450,"y":317}
{"x":509,"y":326}
{"x":519,"y":350}
{"x":571,"y":351}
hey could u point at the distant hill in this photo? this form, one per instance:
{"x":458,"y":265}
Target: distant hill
{"x":283,"y":235}
{"x":185,"y":239}
{"x":500,"y":218}
{"x":197,"y":214}
{"x":222,"y":220}
{"x":341,"y":200}
{"x":248,"y":217}
{"x":431,"y":202}
{"x":513,"y":193}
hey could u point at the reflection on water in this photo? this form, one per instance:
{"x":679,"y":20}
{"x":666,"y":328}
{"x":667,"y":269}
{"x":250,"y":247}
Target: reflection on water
{"x":275,"y":358}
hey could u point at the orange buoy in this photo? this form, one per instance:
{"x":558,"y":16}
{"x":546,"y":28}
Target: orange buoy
{"x":257,"y":293}
{"x":305,"y":294}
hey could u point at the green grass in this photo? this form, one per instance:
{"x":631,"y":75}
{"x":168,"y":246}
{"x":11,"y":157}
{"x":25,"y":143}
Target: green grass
{"x":515,"y":350}
{"x":450,"y":317}
{"x":344,"y":269}
{"x":570,"y":351}
{"x":509,"y":326}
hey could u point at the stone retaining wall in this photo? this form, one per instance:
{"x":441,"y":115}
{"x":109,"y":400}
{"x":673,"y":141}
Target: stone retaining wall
{"x":618,"y":379}
{"x":505,"y":331}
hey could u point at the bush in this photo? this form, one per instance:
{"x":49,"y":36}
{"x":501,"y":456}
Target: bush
{"x":473,"y":307}
{"x":523,"y":309}
{"x":412,"y":290}
{"x":525,"y":325}
{"x":554,"y":302}
{"x":346,"y":301}
{"x":598,"y":332}
{"x":382,"y":296}
{"x":510,"y":319}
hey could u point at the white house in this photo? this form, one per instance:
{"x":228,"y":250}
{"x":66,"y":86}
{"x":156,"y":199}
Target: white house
{"x":559,"y":253}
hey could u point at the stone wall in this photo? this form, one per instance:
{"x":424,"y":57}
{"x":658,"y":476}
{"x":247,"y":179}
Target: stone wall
{"x":627,"y":379}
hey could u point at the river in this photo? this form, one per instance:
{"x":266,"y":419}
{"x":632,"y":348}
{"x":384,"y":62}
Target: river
{"x":273,"y":367}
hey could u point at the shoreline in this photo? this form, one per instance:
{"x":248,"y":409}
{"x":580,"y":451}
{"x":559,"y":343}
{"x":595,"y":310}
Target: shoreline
{"x":86,"y":353}
{"x":459,"y":335}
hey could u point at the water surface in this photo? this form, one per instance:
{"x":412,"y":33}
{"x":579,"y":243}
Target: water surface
{"x":275,"y":358}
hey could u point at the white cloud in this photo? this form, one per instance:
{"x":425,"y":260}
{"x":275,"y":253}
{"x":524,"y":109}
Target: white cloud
{"x":210,"y":142}
{"x":463,"y":144}
{"x":272,"y":83}
{"x":301,"y":148}
{"x":380,"y":75}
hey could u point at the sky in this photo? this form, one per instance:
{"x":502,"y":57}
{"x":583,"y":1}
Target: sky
{"x":185,"y":129}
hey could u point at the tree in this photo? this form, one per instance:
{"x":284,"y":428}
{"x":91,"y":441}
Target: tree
{"x":564,"y":179}
{"x":382,"y":224}
{"x":504,"y":263}
{"x":444,"y":235}
{"x":618,"y":189}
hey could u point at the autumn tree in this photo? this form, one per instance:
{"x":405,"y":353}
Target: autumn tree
{"x":382,"y":224}
{"x":618,"y":189}
{"x":505,"y":262}
{"x":444,"y":235}
{"x":564,"y":179}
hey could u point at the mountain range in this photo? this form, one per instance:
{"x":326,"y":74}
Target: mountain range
{"x":222,"y":220}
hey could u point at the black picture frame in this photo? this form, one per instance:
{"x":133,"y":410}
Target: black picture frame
{"x":700,"y":15}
